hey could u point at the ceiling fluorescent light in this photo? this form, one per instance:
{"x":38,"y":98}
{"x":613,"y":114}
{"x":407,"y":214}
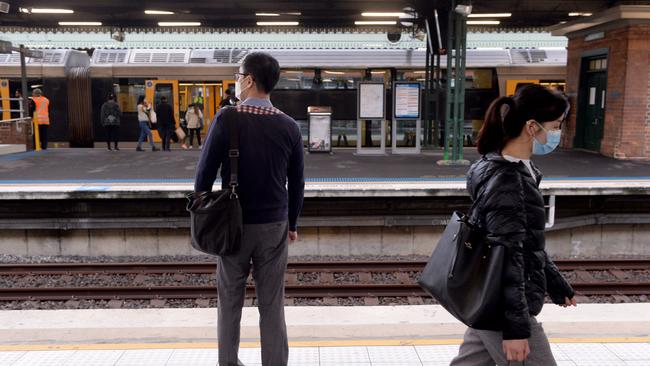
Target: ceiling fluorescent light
{"x":483,"y":22}
{"x":158,"y":12}
{"x":277,"y":23}
{"x":375,"y":22}
{"x":579,"y":14}
{"x":492,"y":15}
{"x":379,"y":14}
{"x":46,"y":11}
{"x":296,"y":13}
{"x":80,"y":23}
{"x":179,"y":24}
{"x":267,"y":14}
{"x":334,"y":72}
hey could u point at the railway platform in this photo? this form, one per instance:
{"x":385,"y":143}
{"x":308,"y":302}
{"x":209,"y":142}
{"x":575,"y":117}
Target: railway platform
{"x":591,"y":334}
{"x":344,"y":174}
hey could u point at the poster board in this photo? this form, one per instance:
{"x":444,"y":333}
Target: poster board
{"x":406,"y":100}
{"x":320,"y":132}
{"x":371,"y":101}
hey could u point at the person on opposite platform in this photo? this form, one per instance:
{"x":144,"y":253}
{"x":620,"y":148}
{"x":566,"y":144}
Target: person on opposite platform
{"x":111,"y":116}
{"x":228,"y":99}
{"x":271,"y":187}
{"x":511,"y":211}
{"x":42,"y":115}
{"x":194,"y":118}
{"x":166,"y":122}
{"x":144,"y":119}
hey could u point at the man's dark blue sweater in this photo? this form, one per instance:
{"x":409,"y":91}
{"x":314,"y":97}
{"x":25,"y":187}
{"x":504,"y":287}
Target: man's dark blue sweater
{"x":271,"y":180}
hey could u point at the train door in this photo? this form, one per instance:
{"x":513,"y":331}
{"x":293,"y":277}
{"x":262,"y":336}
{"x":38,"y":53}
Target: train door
{"x":4,"y":95}
{"x":155,"y":90}
{"x":592,"y":97}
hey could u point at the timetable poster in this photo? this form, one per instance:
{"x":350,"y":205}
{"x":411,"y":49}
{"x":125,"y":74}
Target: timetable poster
{"x":407,"y":100}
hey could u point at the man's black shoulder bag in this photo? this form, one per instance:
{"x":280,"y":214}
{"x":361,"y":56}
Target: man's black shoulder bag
{"x":216,"y":217}
{"x":464,"y":272}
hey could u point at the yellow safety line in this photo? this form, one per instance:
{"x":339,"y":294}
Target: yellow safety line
{"x":343,"y":343}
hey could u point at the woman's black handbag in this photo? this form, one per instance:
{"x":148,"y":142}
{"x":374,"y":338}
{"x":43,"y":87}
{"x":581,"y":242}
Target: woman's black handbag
{"x":216,"y":217}
{"x":464,"y":274}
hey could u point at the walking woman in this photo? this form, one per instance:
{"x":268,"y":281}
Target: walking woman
{"x":143,"y":118}
{"x":510,"y":209}
{"x":194,"y":118}
{"x":111,"y":116}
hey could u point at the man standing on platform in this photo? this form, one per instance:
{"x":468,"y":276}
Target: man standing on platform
{"x":166,"y":122}
{"x":41,"y":115}
{"x":270,"y":156}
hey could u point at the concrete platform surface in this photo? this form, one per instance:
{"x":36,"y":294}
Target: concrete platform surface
{"x":6,"y":149}
{"x":322,"y":323}
{"x":101,"y":164}
{"x":98,"y":173}
{"x":565,"y":354}
{"x":592,"y":334}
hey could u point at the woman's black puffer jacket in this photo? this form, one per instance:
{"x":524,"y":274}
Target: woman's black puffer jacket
{"x":510,"y":208}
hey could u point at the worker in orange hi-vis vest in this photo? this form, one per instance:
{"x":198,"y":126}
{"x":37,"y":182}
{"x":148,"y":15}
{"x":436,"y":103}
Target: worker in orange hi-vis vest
{"x":41,"y":115}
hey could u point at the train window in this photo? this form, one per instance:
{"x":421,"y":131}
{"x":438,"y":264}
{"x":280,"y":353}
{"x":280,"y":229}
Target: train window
{"x":478,"y":79}
{"x":340,"y":79}
{"x":127,"y":92}
{"x":164,"y":90}
{"x":295,"y":79}
{"x":411,"y":75}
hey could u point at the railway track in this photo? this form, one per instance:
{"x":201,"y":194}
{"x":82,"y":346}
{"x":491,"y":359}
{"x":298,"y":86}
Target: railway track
{"x":324,"y":287}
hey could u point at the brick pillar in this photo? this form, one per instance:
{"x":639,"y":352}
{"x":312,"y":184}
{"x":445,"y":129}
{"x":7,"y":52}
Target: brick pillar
{"x":11,"y":133}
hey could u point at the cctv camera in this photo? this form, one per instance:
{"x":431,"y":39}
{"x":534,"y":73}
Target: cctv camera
{"x":464,"y":10}
{"x":118,"y":36}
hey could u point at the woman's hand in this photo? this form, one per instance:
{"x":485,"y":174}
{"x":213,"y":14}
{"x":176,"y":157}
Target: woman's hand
{"x":516,"y":349}
{"x":569,"y":302}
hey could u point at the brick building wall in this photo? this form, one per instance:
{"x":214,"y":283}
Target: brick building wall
{"x":627,"y":109}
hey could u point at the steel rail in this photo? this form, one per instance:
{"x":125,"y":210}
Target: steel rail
{"x":293,"y":267}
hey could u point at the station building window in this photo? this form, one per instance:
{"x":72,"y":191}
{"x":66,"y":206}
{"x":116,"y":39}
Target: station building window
{"x":598,"y":64}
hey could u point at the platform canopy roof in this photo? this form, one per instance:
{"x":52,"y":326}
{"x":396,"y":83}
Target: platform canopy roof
{"x":308,"y":13}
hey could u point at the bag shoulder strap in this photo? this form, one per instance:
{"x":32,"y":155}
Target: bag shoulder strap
{"x":233,"y":148}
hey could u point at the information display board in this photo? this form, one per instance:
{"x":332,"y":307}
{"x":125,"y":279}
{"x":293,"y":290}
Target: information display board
{"x":371,"y":101}
{"x":406,"y":100}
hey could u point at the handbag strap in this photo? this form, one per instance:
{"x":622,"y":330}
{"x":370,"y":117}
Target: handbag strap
{"x":233,"y":151}
{"x":475,"y":208}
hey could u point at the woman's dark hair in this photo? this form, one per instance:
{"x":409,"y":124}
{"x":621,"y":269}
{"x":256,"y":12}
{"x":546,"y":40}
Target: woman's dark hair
{"x":140,"y":99}
{"x":507,"y":116}
{"x":264,"y":69}
{"x":111,"y":97}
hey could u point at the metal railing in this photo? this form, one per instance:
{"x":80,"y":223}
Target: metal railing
{"x":24,"y":118}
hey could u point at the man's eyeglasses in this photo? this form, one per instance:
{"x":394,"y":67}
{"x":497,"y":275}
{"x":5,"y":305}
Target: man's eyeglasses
{"x":242,"y":74}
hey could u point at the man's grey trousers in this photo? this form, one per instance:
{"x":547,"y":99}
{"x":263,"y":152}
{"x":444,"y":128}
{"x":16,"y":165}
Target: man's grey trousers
{"x":266,"y":247}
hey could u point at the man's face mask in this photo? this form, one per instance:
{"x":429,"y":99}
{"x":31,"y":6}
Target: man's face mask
{"x":238,"y":85}
{"x":552,"y":141}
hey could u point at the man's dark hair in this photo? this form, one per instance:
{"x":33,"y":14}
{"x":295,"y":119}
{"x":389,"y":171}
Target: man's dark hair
{"x":163,"y":99}
{"x":111,"y":97}
{"x":228,"y":92}
{"x":264,"y":69}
